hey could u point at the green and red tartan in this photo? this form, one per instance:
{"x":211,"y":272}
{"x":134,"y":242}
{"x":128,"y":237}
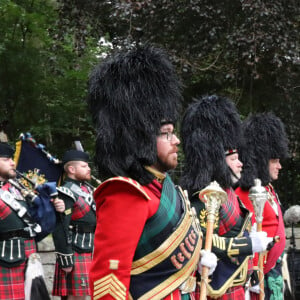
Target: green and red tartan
{"x":12,"y":279}
{"x":75,"y":283}
{"x":229,"y":213}
{"x":233,"y":293}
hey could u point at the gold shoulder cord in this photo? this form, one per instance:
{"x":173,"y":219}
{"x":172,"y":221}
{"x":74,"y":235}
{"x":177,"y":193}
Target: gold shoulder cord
{"x":160,"y":177}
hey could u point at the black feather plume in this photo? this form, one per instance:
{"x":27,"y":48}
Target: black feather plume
{"x":264,"y":138}
{"x":130,"y":93}
{"x":210,"y":126}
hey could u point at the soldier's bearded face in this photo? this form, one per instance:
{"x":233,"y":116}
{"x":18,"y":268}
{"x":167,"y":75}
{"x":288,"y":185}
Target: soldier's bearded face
{"x":7,"y":168}
{"x":82,"y":171}
{"x":167,"y":149}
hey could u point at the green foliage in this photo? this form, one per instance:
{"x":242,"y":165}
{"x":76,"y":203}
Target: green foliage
{"x":42,"y":78}
{"x":247,"y":50}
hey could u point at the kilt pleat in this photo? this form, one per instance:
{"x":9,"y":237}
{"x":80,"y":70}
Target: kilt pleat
{"x":12,"y":279}
{"x":233,"y":293}
{"x":75,"y":283}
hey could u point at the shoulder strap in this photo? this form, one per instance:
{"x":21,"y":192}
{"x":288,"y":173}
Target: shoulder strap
{"x":66,"y":191}
{"x":127,"y":180}
{"x":78,"y":192}
{"x":21,"y":211}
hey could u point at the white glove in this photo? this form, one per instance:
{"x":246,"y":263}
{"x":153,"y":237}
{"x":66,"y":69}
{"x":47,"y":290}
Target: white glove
{"x":209,"y":260}
{"x":259,"y":240}
{"x":255,"y":289}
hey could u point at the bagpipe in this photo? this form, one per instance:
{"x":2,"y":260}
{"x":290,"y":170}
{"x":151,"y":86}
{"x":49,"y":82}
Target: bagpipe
{"x":38,"y":173}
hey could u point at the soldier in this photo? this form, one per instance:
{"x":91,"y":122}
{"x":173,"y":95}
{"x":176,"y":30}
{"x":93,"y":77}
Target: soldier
{"x":266,"y":143}
{"x":18,"y":229}
{"x":74,"y":234}
{"x":147,"y":240}
{"x":211,"y":134}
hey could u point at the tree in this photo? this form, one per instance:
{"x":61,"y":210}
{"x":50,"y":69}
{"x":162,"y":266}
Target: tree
{"x":42,"y":78}
{"x":247,"y":50}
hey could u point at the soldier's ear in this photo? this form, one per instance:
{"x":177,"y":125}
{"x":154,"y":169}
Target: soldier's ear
{"x":70,"y":169}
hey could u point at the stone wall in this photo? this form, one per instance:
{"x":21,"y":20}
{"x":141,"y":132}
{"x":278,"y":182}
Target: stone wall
{"x":46,"y":251}
{"x":288,"y":232}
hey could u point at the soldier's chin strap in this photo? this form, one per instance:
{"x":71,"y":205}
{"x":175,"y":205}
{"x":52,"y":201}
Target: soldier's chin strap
{"x":33,"y":228}
{"x":235,"y":179}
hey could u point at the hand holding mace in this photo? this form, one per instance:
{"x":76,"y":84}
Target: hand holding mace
{"x":213,"y":196}
{"x":259,"y":195}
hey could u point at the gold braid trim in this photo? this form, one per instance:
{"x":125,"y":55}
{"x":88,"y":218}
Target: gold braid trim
{"x":219,"y":242}
{"x":160,"y":177}
{"x":109,"y":285}
{"x":237,"y":278}
{"x":168,"y":286}
{"x":163,"y":251}
{"x":129,"y":181}
{"x":232,"y":252}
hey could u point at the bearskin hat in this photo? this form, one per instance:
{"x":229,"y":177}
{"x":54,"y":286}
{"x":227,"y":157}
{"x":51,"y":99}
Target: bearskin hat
{"x":211,"y":126}
{"x":264,"y":138}
{"x":130,"y":93}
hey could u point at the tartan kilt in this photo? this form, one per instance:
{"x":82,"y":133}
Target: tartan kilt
{"x":76,"y":282}
{"x":176,"y":295}
{"x":233,"y":293}
{"x":12,"y":279}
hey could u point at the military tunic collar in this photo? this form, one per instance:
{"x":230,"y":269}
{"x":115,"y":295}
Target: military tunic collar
{"x":160,"y":177}
{"x":80,"y":183}
{"x":2,"y":183}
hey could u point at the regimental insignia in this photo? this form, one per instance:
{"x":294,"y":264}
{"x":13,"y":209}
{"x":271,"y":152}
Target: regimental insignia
{"x":109,"y":285}
{"x":203,"y":219}
{"x":83,"y":282}
{"x":33,"y":177}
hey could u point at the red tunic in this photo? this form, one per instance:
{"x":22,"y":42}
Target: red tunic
{"x":122,"y":211}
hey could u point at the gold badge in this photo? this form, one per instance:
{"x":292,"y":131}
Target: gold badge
{"x":203,"y":217}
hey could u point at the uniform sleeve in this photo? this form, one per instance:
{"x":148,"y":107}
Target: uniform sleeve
{"x":121,"y":215}
{"x":62,"y":238}
{"x":231,"y":247}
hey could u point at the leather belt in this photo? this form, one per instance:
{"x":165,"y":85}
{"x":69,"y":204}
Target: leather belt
{"x":14,"y":233}
{"x":83,"y":228}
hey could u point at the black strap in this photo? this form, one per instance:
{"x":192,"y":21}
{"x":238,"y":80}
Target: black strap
{"x":14,"y":233}
{"x":20,"y":210}
{"x":83,"y":228}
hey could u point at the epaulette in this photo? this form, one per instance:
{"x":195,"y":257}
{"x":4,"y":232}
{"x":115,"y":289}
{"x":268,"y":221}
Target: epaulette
{"x":66,"y":192}
{"x":130,"y":181}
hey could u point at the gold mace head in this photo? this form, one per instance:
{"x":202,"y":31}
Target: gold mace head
{"x":213,"y":196}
